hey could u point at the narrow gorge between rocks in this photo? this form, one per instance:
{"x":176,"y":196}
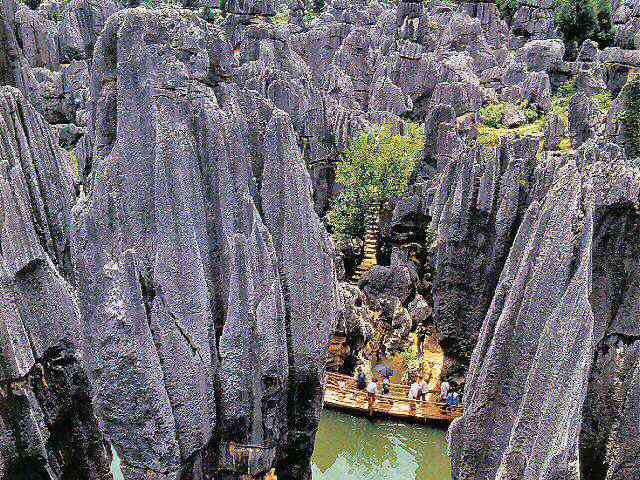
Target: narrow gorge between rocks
{"x":352,"y":448}
{"x":338,"y":239}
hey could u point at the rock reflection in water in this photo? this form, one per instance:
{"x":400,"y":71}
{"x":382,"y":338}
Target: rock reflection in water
{"x":353,"y":448}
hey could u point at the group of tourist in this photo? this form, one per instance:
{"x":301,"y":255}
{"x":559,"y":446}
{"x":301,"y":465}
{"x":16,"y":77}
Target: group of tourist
{"x":449,"y":396}
{"x":418,"y":390}
{"x":372,"y":386}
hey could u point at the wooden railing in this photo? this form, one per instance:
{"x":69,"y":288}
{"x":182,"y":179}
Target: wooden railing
{"x":342,"y":391}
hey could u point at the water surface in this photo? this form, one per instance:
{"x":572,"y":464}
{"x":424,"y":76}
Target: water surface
{"x":353,"y":448}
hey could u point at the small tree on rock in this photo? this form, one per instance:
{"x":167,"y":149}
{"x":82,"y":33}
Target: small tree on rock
{"x":374,"y":169}
{"x":579,"y":20}
{"x":631,"y":116}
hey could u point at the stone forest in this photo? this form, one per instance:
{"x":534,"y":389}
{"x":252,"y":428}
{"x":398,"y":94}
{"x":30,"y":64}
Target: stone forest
{"x":329,"y":240}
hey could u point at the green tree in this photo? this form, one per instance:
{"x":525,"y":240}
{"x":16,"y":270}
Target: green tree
{"x":605,"y":32}
{"x":631,"y":116}
{"x":579,"y":20}
{"x":507,"y":7}
{"x":375,"y":168}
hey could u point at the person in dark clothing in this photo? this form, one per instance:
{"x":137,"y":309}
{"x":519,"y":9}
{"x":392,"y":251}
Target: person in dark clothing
{"x":386,"y":386}
{"x":361,"y":379}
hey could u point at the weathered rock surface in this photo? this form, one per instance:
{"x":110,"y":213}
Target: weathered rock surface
{"x":47,"y":423}
{"x":194,"y":273}
{"x":528,"y":365}
{"x":231,"y":306}
{"x":196,"y":293}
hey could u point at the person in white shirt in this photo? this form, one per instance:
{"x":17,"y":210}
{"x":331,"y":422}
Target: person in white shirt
{"x":444,"y":389}
{"x":372,"y":390}
{"x":414,"y":391}
{"x":424,"y":389}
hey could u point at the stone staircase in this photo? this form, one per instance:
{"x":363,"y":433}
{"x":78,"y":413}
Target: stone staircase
{"x":370,"y":245}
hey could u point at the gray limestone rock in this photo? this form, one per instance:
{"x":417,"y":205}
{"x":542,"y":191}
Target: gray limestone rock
{"x":570,"y":222}
{"x":507,"y":365}
{"x":582,"y":117}
{"x":512,"y":116}
{"x":462,"y":97}
{"x":541,"y":55}
{"x":381,"y":282}
{"x":81,"y":25}
{"x":205,"y":305}
{"x":436,"y":117}
{"x":47,"y":422}
{"x":591,"y":81}
{"x":536,"y":91}
{"x":196,"y":276}
{"x":555,"y":130}
{"x":589,"y":52}
{"x":38,"y":38}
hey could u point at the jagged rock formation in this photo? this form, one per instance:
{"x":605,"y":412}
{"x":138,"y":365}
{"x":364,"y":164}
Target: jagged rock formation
{"x":196,"y":292}
{"x":48,"y":428}
{"x":230,"y":297}
{"x":626,"y":18}
{"x":532,"y":360}
{"x":180,"y":235}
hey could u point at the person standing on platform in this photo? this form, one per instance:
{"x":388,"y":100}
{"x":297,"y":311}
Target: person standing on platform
{"x":372,"y":391}
{"x":444,"y":390}
{"x":424,"y":390}
{"x":361,"y":379}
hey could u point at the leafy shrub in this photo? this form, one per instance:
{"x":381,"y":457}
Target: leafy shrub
{"x":489,"y":136}
{"x":491,"y":115}
{"x":560,"y":101}
{"x":375,"y":168}
{"x":411,"y":359}
{"x":605,"y":32}
{"x":507,"y":7}
{"x":530,"y":114}
{"x":631,"y":116}
{"x":604,"y":101}
{"x":282,"y":16}
{"x":347,"y":217}
{"x":579,"y":20}
{"x":567,"y":89}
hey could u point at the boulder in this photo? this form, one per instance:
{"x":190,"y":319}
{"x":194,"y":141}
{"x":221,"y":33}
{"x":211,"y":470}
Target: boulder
{"x":512,"y":116}
{"x":380,"y":282}
{"x":589,"y":52}
{"x":540,"y":55}
{"x":536,"y":91}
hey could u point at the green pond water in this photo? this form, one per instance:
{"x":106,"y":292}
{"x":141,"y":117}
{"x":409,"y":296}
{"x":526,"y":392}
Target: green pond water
{"x":353,"y":448}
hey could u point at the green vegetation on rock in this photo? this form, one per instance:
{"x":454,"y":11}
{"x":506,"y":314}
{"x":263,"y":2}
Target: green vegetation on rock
{"x":604,"y":101}
{"x":282,"y":16}
{"x":560,"y":101}
{"x":507,"y":7}
{"x":631,"y":116}
{"x":492,"y":125}
{"x":375,"y":168}
{"x":579,"y":20}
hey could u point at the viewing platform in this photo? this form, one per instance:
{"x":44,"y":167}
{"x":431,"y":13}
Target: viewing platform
{"x":342,"y":393}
